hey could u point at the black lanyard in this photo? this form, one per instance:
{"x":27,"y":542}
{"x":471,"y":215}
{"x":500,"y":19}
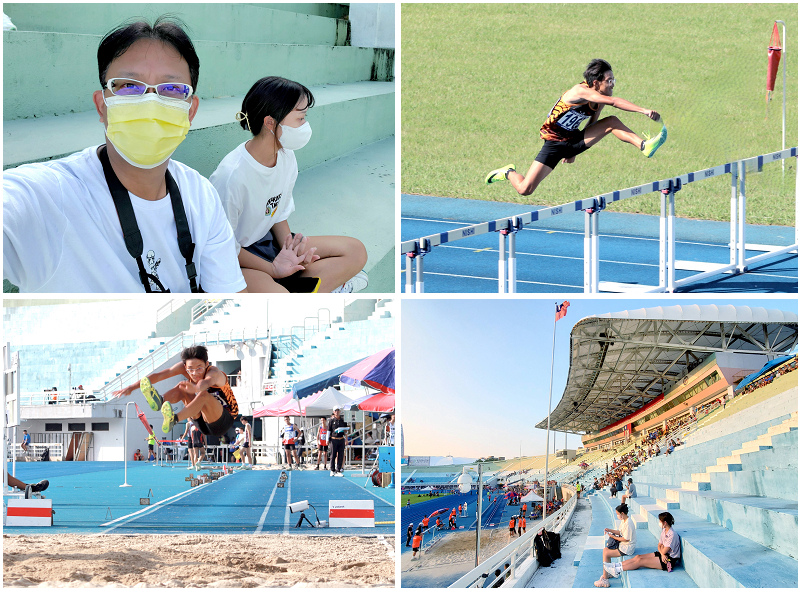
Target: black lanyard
{"x":132,"y":234}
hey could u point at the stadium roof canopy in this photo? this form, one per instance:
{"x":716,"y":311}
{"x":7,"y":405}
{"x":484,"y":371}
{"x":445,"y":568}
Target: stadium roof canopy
{"x":619,"y":362}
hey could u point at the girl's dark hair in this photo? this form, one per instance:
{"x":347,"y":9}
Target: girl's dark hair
{"x":667,"y":518}
{"x":272,"y":96}
{"x":595,"y":70}
{"x":196,"y":352}
{"x":623,"y":509}
{"x":166,"y":29}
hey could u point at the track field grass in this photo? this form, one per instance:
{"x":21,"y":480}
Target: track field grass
{"x":478,"y":80}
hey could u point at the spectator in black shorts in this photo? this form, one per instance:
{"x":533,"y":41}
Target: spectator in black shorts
{"x":666,"y":558}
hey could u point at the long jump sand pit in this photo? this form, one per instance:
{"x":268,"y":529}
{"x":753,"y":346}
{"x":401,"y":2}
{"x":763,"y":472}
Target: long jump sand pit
{"x":197,"y":561}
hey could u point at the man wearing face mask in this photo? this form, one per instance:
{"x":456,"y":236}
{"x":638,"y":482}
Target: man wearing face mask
{"x":256,"y":185}
{"x":84,"y":223}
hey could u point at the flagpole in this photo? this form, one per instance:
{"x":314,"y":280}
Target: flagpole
{"x":547,"y":439}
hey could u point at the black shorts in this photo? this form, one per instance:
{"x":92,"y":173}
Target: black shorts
{"x":323,"y":448}
{"x":288,"y":446}
{"x":267,"y":247}
{"x":150,"y":447}
{"x":189,"y":443}
{"x":217,"y":428}
{"x":675,"y":561}
{"x":552,"y":152}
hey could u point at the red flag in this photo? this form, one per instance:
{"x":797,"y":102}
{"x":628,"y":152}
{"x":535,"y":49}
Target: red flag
{"x":143,"y":419}
{"x":561,"y":309}
{"x":773,"y":60}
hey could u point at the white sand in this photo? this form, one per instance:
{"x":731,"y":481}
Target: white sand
{"x":197,"y":561}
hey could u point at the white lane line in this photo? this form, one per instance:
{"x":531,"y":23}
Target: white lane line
{"x":266,"y":508}
{"x":153,"y":508}
{"x":390,"y":548}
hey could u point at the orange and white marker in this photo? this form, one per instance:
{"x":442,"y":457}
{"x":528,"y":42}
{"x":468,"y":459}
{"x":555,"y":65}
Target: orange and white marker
{"x":348,"y":513}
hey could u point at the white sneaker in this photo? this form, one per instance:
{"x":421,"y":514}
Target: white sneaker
{"x":338,"y":474}
{"x":355,"y":284}
{"x":333,"y":473}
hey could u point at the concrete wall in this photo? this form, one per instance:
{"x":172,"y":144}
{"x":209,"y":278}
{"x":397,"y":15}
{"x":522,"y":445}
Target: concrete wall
{"x":372,"y":25}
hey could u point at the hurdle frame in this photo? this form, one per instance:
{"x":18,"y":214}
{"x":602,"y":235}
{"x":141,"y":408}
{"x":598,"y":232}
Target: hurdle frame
{"x":417,"y":249}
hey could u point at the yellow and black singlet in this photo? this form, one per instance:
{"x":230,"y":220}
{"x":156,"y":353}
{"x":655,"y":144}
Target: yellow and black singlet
{"x":565,"y":118}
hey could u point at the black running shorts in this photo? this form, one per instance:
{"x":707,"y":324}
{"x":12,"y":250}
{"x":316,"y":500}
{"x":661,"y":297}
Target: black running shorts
{"x":553,"y":152}
{"x":216,"y":428}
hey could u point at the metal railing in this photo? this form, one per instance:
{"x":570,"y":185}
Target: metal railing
{"x":517,"y":552}
{"x":35,"y":450}
{"x":417,"y":249}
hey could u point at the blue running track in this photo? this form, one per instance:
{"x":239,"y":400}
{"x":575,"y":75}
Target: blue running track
{"x":550,"y":253}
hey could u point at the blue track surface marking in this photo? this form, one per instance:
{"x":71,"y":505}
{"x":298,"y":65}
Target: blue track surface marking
{"x":550,"y":253}
{"x":87,"y":498}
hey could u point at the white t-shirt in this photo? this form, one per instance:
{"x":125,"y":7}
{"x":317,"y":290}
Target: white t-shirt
{"x":627,"y":530}
{"x":61,"y":231}
{"x":255,"y":197}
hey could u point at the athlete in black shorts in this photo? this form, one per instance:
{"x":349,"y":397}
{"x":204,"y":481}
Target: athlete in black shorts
{"x":206,"y":395}
{"x":563,"y":140}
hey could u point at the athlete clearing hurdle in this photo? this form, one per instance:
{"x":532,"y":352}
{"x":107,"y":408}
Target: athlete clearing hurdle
{"x":563,"y":141}
{"x":206,"y":395}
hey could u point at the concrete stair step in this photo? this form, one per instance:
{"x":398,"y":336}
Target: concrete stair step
{"x":673,"y":495}
{"x":782,"y":428}
{"x":69,"y":62}
{"x":701,"y":477}
{"x":751,"y":447}
{"x":344,"y":118}
{"x":667,"y":504}
{"x":723,"y":468}
{"x":696,"y":485}
{"x":639,"y":521}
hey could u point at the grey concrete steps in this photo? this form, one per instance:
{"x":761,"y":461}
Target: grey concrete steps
{"x":209,"y":22}
{"x":364,"y":109}
{"x":716,"y":557}
{"x":67,"y":66}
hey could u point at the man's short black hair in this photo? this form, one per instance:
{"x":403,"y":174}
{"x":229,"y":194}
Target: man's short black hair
{"x":596,"y":70}
{"x":165,"y":28}
{"x":196,"y":352}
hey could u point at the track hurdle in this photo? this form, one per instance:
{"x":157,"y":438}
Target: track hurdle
{"x":416,"y":249}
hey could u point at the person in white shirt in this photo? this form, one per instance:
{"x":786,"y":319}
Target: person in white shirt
{"x":622,"y":541}
{"x":256,"y":183}
{"x":61,"y":228}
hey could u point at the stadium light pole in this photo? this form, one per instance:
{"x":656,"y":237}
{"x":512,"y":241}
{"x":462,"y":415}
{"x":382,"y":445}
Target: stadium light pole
{"x":549,"y":406}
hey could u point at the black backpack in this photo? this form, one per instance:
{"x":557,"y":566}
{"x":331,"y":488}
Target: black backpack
{"x":45,"y":455}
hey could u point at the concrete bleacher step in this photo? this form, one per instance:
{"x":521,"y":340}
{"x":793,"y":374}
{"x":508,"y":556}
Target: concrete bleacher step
{"x":667,"y":504}
{"x":717,"y":557}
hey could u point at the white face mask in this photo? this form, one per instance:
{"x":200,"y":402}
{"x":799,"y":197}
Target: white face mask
{"x":294,"y":138}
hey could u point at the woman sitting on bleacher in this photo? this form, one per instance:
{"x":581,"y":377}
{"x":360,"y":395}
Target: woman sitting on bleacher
{"x":256,"y":185}
{"x":666,"y":558}
{"x":620,"y":543}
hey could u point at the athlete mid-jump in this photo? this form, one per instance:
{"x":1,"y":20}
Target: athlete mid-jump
{"x":562,"y":138}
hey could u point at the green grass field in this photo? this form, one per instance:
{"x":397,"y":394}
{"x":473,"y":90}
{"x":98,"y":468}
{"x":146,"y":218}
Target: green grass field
{"x":478,"y":80}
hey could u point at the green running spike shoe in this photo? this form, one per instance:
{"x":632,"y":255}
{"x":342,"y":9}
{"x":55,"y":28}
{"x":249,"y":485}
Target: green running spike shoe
{"x":499,"y":174}
{"x":169,"y":417}
{"x":653,"y":144}
{"x":153,"y":398}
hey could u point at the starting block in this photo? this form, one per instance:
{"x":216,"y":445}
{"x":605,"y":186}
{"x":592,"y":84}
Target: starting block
{"x":29,"y":512}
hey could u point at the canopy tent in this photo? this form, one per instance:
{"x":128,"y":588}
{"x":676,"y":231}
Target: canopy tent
{"x":531,"y":497}
{"x":376,"y":371}
{"x":382,"y":402}
{"x":287,"y":406}
{"x":304,"y":388}
{"x":328,"y":399}
{"x":766,"y":369}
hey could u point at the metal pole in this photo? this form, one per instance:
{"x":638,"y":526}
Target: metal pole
{"x":783,"y":129}
{"x":547,"y":438}
{"x":420,"y":274}
{"x":480,"y":506}
{"x":125,"y":446}
{"x":671,"y":244}
{"x":595,"y":218}
{"x":734,"y":204}
{"x":501,"y":265}
{"x":409,"y":277}
{"x":741,"y":267}
{"x":662,"y":244}
{"x":587,"y":252}
{"x":512,"y":261}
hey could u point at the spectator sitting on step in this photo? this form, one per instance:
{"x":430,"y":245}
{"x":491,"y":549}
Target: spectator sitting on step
{"x":666,"y":558}
{"x":138,"y":455}
{"x":259,"y":176}
{"x":620,"y":543}
{"x":630,"y":491}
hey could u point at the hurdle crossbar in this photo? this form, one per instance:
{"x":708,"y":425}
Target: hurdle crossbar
{"x":416,"y":249}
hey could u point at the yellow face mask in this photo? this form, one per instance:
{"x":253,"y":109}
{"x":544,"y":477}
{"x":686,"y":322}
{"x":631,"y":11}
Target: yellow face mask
{"x":146,"y":129}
